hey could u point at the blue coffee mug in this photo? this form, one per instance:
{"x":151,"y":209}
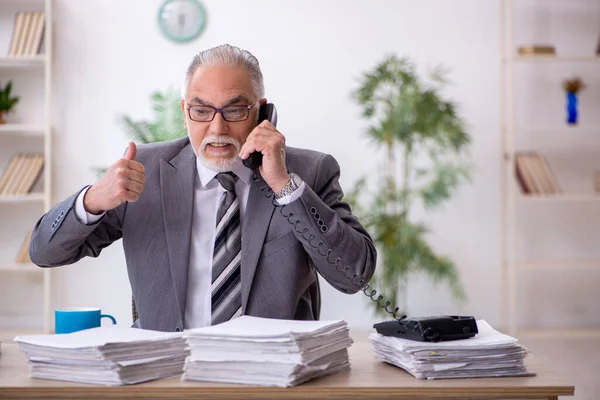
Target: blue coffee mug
{"x":73,"y":319}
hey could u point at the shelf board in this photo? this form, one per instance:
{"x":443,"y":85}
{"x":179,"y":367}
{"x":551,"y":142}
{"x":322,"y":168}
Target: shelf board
{"x":552,"y":58}
{"x":13,"y":266}
{"x":559,"y":263}
{"x":18,"y":62}
{"x":22,"y":198}
{"x":29,"y":129}
{"x":560,"y":129}
{"x":21,"y":1}
{"x":561,"y":197}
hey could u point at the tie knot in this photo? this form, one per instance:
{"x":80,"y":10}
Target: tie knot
{"x":227,"y":180}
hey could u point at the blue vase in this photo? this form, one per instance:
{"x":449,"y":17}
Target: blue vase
{"x":572,"y":108}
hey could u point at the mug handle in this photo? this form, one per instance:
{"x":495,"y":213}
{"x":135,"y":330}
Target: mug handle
{"x":114,"y":321}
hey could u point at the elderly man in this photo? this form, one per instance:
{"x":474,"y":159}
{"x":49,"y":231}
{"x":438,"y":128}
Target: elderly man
{"x":207,"y":239}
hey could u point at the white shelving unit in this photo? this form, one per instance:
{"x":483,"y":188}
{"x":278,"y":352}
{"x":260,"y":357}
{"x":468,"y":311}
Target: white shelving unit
{"x":512,"y":197}
{"x":19,"y":267}
{"x":23,"y":198}
{"x":24,"y":130}
{"x":552,"y":59}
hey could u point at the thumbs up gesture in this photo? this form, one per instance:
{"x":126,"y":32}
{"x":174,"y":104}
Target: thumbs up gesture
{"x":123,"y":181}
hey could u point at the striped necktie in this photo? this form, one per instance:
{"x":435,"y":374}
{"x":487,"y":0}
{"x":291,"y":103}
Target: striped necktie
{"x":226,"y":275}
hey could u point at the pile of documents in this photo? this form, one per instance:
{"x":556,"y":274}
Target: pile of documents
{"x":487,"y":354}
{"x":111,"y":355}
{"x":269,"y":352}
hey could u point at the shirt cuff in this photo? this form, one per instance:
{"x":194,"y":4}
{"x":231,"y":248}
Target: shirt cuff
{"x":82,"y":215}
{"x":292,"y":196}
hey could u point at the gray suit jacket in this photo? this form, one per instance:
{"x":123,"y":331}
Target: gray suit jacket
{"x":283,"y":248}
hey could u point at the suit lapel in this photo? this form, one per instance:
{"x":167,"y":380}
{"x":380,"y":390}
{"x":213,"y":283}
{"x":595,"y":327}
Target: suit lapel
{"x":177,"y":195}
{"x":259,"y":211}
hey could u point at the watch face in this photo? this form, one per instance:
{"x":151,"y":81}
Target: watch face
{"x":181,"y":20}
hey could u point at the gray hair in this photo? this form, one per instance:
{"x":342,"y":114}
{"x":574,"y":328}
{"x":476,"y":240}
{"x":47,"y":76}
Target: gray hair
{"x":227,"y":56}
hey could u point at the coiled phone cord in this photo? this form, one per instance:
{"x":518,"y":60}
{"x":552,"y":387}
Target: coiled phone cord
{"x":344,"y":270}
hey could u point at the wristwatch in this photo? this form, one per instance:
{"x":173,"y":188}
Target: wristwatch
{"x":293,"y":184}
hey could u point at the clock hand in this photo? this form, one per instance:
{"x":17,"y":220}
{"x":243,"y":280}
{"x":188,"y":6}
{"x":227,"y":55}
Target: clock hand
{"x":181,"y":22}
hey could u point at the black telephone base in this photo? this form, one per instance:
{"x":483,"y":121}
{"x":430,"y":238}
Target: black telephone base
{"x":430,"y":329}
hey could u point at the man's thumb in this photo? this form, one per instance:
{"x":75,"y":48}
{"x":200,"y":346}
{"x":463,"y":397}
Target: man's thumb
{"x":130,"y":153}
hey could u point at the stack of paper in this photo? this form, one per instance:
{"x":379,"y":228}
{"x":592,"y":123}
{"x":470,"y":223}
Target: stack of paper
{"x":269,"y":352}
{"x":488,"y":354}
{"x":110,"y":355}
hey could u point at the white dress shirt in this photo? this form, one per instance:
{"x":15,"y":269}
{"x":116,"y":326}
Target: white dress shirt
{"x":207,"y":194}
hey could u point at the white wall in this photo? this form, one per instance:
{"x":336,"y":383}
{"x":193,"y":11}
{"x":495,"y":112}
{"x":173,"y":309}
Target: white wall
{"x":110,"y":55}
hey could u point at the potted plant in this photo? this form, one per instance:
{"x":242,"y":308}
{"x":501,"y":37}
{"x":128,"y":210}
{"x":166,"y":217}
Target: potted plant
{"x":572,"y":87}
{"x":424,"y":142}
{"x":6,"y":101}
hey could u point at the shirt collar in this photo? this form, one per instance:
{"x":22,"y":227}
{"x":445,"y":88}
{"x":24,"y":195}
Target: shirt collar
{"x":206,"y":174}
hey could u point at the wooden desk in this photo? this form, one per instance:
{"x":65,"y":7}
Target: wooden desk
{"x":368,"y":378}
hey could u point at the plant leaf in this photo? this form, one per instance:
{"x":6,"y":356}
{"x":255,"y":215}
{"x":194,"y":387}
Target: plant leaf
{"x":168,"y":123}
{"x":411,"y":116}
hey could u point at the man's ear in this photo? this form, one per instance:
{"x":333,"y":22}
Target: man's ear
{"x":184,"y":114}
{"x":263,"y":101}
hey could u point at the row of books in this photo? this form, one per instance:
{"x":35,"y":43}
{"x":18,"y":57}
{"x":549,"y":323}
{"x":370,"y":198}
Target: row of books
{"x":534,"y":174}
{"x":545,"y":49}
{"x":27,"y":35}
{"x":23,"y":254}
{"x":21,"y":174}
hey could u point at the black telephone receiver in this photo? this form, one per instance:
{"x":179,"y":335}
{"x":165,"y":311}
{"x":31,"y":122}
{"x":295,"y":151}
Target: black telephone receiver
{"x":268,"y":112}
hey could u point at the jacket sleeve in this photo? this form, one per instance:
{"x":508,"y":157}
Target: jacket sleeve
{"x":325,"y":226}
{"x":59,"y":238}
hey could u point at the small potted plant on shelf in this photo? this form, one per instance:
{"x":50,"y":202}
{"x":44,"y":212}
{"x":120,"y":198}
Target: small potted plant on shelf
{"x":572,"y":86}
{"x":6,"y":101}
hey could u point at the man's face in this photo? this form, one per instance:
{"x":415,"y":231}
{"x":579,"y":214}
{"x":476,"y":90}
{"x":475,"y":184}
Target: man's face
{"x":218,"y":142}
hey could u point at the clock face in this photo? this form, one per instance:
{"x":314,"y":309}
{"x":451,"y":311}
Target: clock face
{"x":181,"y":20}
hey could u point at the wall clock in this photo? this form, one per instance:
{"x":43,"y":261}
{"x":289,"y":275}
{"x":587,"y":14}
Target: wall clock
{"x":181,"y":20}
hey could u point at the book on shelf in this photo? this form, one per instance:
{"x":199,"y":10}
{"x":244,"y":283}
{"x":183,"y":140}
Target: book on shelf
{"x":23,"y":254}
{"x":529,"y":50}
{"x":22,"y":172}
{"x":534,"y":174}
{"x":27,"y":34}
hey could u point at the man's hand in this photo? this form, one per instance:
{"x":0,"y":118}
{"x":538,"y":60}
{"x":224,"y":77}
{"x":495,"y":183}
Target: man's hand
{"x":123,"y":181}
{"x":266,"y":139}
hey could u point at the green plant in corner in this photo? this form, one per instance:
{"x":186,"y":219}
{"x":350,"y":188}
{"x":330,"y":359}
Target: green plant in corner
{"x":167,"y":123}
{"x":168,"y":119}
{"x":6,"y":101}
{"x":424,"y":142}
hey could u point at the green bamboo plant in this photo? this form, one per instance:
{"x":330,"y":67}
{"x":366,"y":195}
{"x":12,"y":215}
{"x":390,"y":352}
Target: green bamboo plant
{"x":167,"y":123}
{"x":424,"y":142}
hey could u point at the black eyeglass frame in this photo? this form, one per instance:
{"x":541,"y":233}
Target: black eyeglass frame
{"x":221,"y":110}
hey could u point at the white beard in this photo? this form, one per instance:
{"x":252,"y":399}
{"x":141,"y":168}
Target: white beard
{"x":220,"y":165}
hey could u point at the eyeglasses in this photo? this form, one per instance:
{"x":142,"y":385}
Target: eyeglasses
{"x":235,"y":113}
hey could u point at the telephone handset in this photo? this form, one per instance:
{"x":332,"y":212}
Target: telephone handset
{"x":268,"y":112}
{"x":438,"y":328}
